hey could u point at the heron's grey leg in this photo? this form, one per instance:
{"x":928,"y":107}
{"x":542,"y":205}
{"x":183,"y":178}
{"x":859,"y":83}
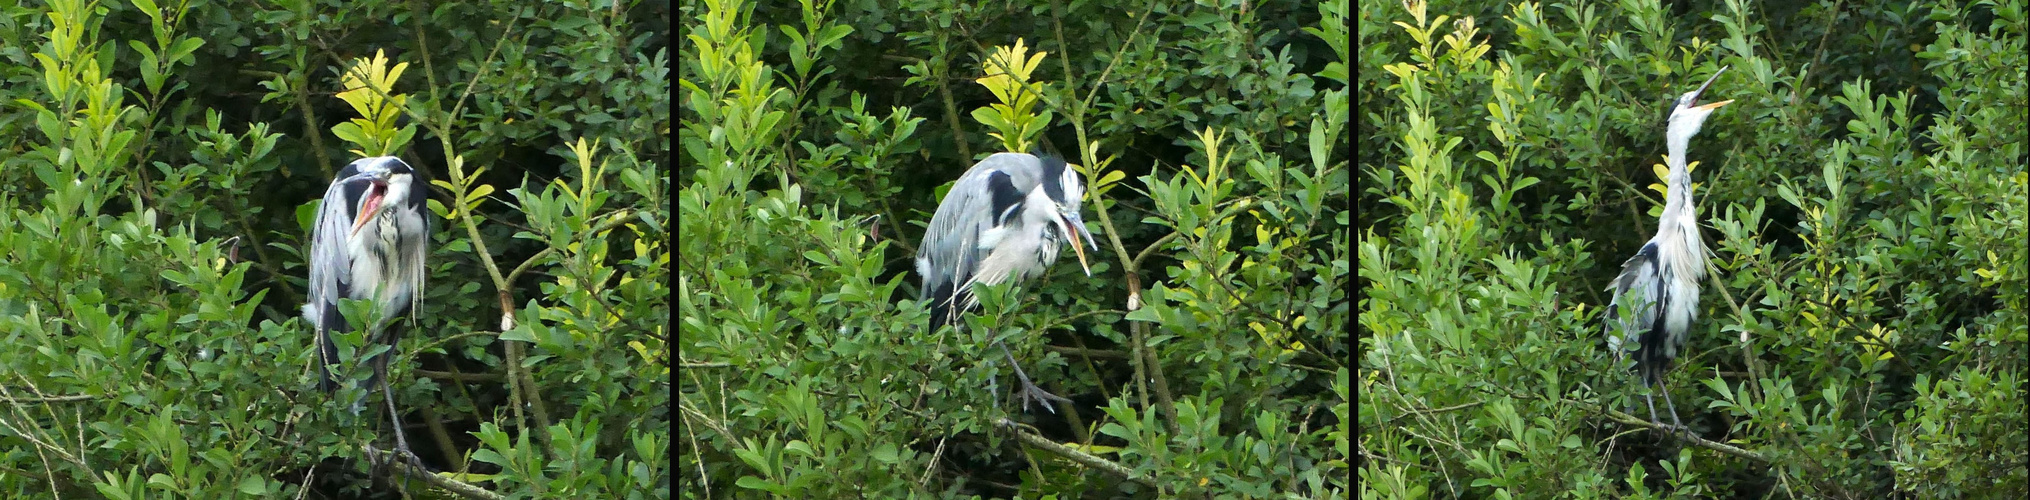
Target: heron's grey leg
{"x":401,"y":441}
{"x":1652,"y":407}
{"x":1030,"y":391}
{"x":1674,"y":412}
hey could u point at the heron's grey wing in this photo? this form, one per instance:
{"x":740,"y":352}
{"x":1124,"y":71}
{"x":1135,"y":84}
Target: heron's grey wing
{"x":330,"y":266}
{"x":330,"y":272}
{"x":957,"y":238}
{"x":946,"y":250}
{"x":999,"y":185}
{"x":1636,"y":295}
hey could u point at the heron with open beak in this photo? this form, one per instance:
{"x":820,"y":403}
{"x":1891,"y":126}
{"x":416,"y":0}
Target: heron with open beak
{"x":1656,"y":297}
{"x":1003,"y":220}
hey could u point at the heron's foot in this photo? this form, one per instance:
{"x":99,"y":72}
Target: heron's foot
{"x":1030,"y":392}
{"x":380,"y":459}
{"x":1675,"y":430}
{"x":402,"y":452}
{"x":376,"y":459}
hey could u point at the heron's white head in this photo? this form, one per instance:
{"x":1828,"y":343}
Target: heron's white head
{"x":1689,"y":115}
{"x":375,"y":185}
{"x":1061,"y":184}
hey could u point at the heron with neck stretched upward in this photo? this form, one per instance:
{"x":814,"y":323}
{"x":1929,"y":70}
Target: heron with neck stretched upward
{"x":1657,"y":295}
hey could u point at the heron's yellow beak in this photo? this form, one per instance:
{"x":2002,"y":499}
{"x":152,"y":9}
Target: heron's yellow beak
{"x":1713,"y":106}
{"x":1076,"y":247}
{"x":371,"y":206}
{"x":1074,"y":229}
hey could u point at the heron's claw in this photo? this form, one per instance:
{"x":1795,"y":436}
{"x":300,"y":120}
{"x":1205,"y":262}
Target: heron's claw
{"x":401,"y":439}
{"x":1030,"y":392}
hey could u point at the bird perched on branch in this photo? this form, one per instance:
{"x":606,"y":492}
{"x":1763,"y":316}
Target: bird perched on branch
{"x":368,"y":243}
{"x":1656,"y":296}
{"x":1003,"y":220}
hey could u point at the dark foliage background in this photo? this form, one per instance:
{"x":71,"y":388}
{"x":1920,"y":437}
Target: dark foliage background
{"x":1864,"y":198}
{"x":1206,"y":354}
{"x":160,"y":160}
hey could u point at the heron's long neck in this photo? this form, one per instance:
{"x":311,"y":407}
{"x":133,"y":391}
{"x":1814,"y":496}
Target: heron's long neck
{"x":1678,"y":196}
{"x":1680,"y":222}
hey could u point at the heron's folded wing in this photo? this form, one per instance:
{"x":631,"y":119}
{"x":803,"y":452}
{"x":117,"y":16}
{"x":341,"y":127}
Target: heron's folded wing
{"x":1636,"y":293}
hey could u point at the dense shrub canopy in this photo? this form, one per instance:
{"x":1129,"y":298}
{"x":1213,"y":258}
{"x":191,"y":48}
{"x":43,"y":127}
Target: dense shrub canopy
{"x":1207,"y":352}
{"x":162,"y":159}
{"x":1862,"y":334}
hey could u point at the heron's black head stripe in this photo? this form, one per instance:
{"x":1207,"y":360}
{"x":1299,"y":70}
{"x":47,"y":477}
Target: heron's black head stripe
{"x":387,"y":164}
{"x":1006,"y":200}
{"x":354,"y":191}
{"x":1053,"y":177}
{"x":397,"y":166}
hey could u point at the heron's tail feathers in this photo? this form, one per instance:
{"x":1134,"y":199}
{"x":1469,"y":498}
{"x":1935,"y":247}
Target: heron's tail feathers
{"x":946,"y":303}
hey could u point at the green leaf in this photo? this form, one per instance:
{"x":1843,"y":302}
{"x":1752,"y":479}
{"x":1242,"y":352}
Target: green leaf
{"x":520,"y":333}
{"x":489,"y":456}
{"x":253,"y":485}
{"x":991,"y":119}
{"x":478,"y":192}
{"x":352,"y":133}
{"x":817,"y":257}
{"x":181,"y":51}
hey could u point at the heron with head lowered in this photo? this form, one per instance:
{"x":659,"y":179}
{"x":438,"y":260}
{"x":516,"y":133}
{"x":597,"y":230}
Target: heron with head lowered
{"x":1003,"y":220}
{"x":368,"y":244}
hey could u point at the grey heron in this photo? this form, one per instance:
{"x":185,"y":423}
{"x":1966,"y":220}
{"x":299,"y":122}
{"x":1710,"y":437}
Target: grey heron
{"x":1003,"y":220}
{"x":368,"y":243}
{"x":1659,"y":286}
